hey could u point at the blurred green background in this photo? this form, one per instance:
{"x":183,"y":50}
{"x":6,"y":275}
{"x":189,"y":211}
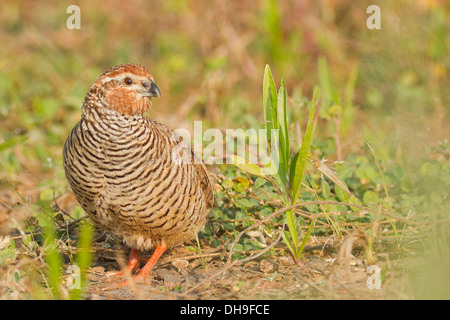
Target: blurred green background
{"x":390,"y":87}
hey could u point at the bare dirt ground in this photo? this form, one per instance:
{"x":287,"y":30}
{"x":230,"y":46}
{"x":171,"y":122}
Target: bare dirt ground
{"x":183,"y":274}
{"x":180,"y":274}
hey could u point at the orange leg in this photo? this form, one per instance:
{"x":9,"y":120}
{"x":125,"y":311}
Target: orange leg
{"x":133,"y":265}
{"x":143,"y":274}
{"x":133,"y":262}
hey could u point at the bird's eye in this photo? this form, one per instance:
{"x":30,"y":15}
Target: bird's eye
{"x":128,"y":81}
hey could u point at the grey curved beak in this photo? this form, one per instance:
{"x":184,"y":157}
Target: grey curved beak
{"x":152,"y":89}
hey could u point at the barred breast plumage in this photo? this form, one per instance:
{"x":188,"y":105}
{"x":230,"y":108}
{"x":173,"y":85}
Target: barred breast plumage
{"x":125,"y":169}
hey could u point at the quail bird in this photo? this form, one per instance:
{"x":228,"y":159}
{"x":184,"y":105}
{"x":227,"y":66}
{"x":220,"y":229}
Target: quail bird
{"x":125,"y":168}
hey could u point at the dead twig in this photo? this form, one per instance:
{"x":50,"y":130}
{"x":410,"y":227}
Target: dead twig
{"x":233,"y":263}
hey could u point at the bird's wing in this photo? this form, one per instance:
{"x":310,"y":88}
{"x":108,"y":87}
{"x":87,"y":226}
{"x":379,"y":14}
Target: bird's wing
{"x":205,"y":182}
{"x":202,"y":172}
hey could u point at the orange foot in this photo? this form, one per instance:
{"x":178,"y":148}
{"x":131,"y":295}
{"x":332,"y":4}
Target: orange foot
{"x":133,"y":265}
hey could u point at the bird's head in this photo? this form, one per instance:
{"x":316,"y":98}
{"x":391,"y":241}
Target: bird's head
{"x":127,"y":89}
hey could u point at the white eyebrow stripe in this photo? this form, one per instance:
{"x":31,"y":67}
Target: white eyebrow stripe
{"x":106,"y":79}
{"x":121,"y":77}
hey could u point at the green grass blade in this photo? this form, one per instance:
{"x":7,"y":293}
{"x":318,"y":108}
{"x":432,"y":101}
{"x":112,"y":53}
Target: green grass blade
{"x":269,"y":101}
{"x":285,"y":235}
{"x":300,"y":161}
{"x":12,"y":142}
{"x":349,"y":111}
{"x":271,"y":116}
{"x":84,"y":257}
{"x":292,"y":170}
{"x":325,"y":81}
{"x":292,"y":231}
{"x":268,"y":117}
{"x":305,"y":239}
{"x":52,"y":256}
{"x":283,"y":125}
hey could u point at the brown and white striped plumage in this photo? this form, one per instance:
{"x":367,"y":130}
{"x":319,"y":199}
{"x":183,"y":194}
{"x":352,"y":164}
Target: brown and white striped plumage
{"x":120,"y":166}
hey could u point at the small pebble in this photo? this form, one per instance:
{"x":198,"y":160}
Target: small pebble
{"x":180,"y":264}
{"x":268,"y":266}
